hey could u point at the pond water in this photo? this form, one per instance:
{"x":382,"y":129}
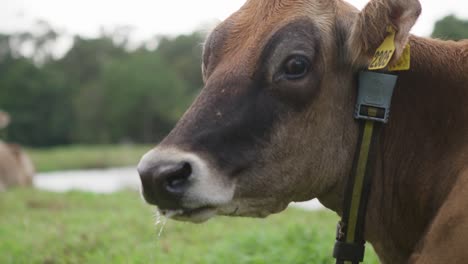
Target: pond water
{"x":97,"y":181}
{"x":108,"y":181}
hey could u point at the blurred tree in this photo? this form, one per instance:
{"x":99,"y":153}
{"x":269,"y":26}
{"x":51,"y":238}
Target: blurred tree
{"x":137,"y":98}
{"x":159,"y":96}
{"x":183,"y":55}
{"x":451,"y":27}
{"x":38,"y":45}
{"x":82,"y":66}
{"x":99,"y":91}
{"x":83,"y":63}
{"x":35,"y":99}
{"x":5,"y":50}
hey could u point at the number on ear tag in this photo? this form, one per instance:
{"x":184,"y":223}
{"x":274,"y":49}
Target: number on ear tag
{"x":384,"y":53}
{"x":404,"y":63}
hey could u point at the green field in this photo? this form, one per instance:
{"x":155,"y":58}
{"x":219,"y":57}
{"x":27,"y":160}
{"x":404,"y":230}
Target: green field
{"x":86,"y":156}
{"x":42,"y":227}
{"x":75,"y":227}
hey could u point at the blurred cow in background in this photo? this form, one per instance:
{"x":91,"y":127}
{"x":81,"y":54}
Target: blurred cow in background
{"x":4,"y":119}
{"x":16,"y":168}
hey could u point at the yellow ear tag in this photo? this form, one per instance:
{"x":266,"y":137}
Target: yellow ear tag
{"x":404,"y":63}
{"x":384,"y":53}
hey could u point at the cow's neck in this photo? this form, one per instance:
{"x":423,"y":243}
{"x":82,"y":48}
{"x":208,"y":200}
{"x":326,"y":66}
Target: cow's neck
{"x":420,"y":148}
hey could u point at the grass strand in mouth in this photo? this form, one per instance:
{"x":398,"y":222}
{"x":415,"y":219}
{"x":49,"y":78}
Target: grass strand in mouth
{"x":184,"y":212}
{"x":161,"y":222}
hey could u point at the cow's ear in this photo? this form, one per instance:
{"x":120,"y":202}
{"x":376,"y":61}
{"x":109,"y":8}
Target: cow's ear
{"x":370,"y":27}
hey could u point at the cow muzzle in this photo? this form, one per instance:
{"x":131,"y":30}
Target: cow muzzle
{"x":183,"y":185}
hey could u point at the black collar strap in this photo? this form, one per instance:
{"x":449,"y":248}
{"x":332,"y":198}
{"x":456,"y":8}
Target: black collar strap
{"x":372,"y":110}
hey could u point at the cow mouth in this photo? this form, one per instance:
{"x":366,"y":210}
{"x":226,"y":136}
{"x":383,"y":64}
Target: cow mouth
{"x":196,"y":215}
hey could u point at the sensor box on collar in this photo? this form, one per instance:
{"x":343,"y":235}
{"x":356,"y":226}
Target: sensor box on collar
{"x":374,"y":96}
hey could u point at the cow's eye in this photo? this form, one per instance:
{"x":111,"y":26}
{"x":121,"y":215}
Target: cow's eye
{"x":296,"y":67}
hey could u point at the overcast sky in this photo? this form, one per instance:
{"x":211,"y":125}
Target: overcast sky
{"x":151,"y":17}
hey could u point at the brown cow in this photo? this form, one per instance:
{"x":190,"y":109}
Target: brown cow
{"x":274,"y":124}
{"x":16,"y":168}
{"x":4,"y":119}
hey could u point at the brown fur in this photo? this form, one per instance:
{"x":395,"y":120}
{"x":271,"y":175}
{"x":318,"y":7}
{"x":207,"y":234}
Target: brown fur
{"x":16,"y":169}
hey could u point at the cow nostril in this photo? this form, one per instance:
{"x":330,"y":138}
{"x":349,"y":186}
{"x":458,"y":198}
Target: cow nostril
{"x":164,"y":182}
{"x":176,"y":178}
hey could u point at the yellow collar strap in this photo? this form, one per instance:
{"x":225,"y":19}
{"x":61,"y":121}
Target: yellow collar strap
{"x":372,"y":110}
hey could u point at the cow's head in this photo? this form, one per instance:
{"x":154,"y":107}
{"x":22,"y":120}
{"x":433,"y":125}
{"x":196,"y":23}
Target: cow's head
{"x":273,"y":123}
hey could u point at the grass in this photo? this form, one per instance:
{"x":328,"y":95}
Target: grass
{"x":42,"y":227}
{"x":86,"y":156}
{"x":75,"y":227}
